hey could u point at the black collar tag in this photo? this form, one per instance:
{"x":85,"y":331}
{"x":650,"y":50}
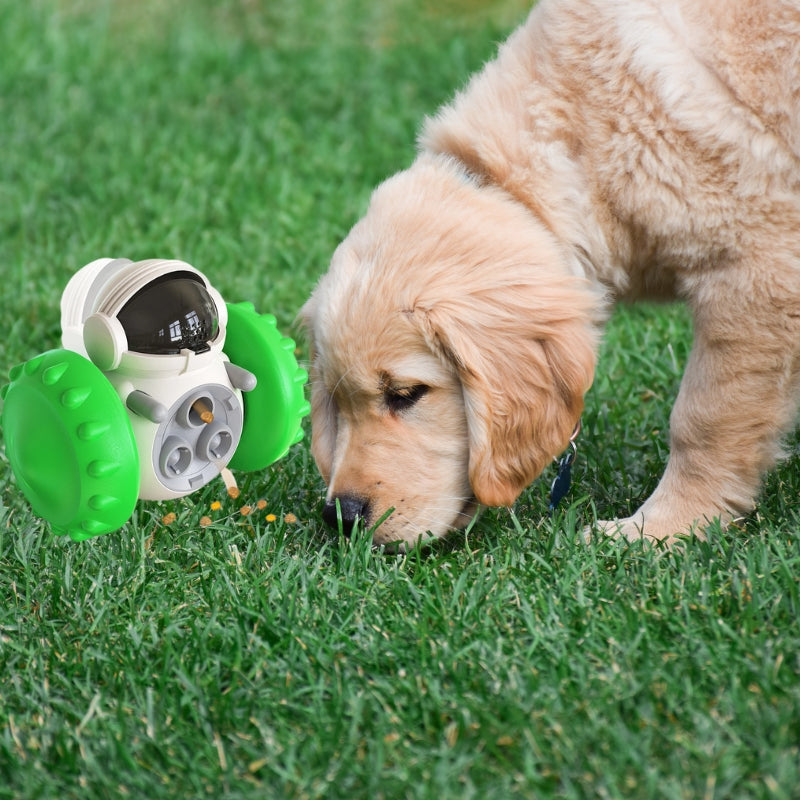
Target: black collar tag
{"x":563,"y":479}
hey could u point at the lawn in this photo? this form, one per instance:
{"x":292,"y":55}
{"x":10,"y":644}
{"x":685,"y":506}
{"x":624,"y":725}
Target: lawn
{"x":261,"y":656}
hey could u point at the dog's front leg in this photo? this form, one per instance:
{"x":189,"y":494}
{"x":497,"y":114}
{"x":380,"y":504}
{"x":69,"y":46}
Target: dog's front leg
{"x":738,"y":396}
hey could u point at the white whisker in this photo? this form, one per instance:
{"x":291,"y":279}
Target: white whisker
{"x":341,"y":378}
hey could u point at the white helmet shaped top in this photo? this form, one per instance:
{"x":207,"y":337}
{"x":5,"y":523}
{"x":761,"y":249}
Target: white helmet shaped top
{"x":153,"y":307}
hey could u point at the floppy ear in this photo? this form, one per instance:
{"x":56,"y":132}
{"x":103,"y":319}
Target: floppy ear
{"x":323,"y":411}
{"x":525,"y":356}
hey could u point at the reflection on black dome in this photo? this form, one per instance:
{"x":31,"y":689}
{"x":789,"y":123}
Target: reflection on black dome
{"x":170,"y":314}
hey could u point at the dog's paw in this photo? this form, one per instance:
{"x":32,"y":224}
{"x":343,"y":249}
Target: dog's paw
{"x":612,"y":529}
{"x":636,"y":528}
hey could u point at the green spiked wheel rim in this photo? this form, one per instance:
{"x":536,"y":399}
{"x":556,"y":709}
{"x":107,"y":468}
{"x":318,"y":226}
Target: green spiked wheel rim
{"x":274,"y":410}
{"x":70,"y":444}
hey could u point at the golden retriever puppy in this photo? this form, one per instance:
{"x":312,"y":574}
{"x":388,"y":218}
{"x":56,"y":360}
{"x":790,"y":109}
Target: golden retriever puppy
{"x":614,"y":149}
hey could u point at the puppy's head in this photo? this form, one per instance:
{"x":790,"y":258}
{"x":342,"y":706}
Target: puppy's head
{"x":451,"y":349}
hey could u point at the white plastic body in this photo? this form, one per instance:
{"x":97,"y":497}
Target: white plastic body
{"x":167,"y":379}
{"x":102,"y":288}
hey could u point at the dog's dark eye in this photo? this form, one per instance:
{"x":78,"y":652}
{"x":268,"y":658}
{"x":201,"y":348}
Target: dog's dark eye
{"x":402,"y":398}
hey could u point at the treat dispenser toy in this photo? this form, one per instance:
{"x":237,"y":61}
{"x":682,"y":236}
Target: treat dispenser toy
{"x":159,"y":387}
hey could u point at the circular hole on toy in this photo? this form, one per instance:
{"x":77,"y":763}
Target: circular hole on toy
{"x":215,"y":443}
{"x":175,"y":457}
{"x":197,"y":412}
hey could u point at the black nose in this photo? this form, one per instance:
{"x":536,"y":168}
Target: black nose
{"x":349,"y":508}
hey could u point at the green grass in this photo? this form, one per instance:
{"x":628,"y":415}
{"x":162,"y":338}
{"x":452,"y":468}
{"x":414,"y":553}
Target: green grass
{"x":270,"y":659}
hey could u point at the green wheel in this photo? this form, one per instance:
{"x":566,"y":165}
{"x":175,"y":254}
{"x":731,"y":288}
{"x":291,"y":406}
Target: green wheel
{"x":70,"y":444}
{"x":274,"y":410}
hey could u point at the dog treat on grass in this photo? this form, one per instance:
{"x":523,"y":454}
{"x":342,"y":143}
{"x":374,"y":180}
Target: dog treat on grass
{"x":233,"y":492}
{"x":230,"y":483}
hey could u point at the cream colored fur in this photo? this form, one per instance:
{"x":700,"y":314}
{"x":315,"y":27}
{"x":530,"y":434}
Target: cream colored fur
{"x":614,"y":149}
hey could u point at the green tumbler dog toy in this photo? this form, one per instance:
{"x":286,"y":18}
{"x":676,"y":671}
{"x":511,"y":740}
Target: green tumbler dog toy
{"x":159,"y":387}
